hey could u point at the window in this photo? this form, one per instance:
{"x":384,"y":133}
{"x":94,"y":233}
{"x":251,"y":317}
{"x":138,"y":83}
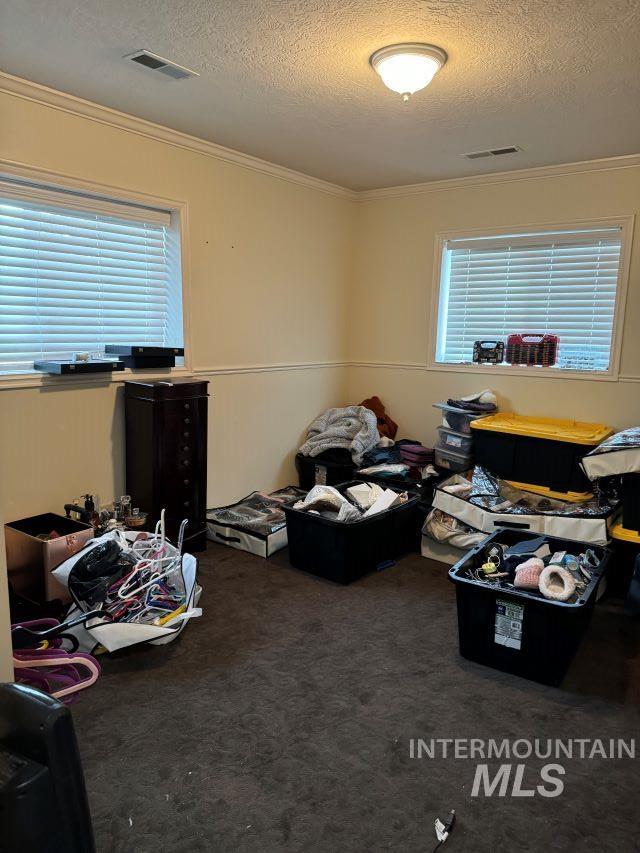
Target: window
{"x":78,"y":272}
{"x":560,"y":282}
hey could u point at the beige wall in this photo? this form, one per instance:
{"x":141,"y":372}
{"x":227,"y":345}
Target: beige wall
{"x":391,"y":293}
{"x":269,"y":266}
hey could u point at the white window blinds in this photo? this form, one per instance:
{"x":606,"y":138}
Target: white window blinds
{"x":561,"y":283}
{"x":77,"y":273}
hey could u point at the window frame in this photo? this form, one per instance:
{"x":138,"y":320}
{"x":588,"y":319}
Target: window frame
{"x":105,"y":194}
{"x":612,"y":374}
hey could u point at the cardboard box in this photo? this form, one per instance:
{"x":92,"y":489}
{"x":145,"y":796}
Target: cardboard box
{"x":30,"y":560}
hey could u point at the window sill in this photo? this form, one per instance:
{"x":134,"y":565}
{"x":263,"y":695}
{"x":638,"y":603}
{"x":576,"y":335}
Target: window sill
{"x":13,"y":381}
{"x":520,"y":371}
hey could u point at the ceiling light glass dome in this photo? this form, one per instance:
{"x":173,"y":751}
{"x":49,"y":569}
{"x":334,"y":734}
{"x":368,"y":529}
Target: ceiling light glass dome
{"x":407,"y":68}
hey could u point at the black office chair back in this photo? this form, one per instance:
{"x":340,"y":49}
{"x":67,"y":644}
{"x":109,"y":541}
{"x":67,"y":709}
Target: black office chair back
{"x":43,"y":799}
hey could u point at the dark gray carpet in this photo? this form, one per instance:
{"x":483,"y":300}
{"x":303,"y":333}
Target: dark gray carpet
{"x":281,"y":721}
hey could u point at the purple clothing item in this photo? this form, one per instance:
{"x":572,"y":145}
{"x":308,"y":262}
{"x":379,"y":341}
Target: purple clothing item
{"x":416,"y":454}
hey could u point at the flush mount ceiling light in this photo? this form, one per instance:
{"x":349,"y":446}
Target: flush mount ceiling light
{"x":407,"y":68}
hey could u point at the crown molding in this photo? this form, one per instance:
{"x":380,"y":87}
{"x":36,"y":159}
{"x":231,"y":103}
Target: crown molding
{"x":29,"y":91}
{"x":604,"y":164}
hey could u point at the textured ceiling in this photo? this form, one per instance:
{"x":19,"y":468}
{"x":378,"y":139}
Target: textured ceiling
{"x":289,"y":81}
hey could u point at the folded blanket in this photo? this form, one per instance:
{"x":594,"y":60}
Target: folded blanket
{"x":354,"y":428}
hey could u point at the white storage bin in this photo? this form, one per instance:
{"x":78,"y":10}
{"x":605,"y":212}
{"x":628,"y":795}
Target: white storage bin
{"x":449,"y":439}
{"x":500,"y":505}
{"x":255,"y":524}
{"x":450,"y":460}
{"x":457,"y":419}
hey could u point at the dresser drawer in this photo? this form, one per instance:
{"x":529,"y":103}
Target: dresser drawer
{"x":182,"y":419}
{"x":167,"y":450}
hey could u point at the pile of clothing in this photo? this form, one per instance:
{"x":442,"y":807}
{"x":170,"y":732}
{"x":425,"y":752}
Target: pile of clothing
{"x":407,"y":459}
{"x":353,"y":431}
{"x":481,"y":403}
{"x":364,"y":436}
{"x":529,"y":565}
{"x":335,"y":445}
{"x":359,"y":501}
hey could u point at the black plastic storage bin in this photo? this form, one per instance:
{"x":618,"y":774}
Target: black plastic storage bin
{"x":625,"y":544}
{"x":631,"y":502}
{"x":424,"y":489}
{"x":518,"y":631}
{"x":537,"y":451}
{"x":344,"y":552}
{"x":553,"y":464}
{"x":313,"y":471}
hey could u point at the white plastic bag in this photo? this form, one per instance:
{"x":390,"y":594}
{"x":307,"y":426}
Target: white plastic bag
{"x":118,"y":635}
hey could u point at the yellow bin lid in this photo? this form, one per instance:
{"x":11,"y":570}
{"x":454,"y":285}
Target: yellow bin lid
{"x":620,"y":532}
{"x":553,"y":429}
{"x":569,"y":497}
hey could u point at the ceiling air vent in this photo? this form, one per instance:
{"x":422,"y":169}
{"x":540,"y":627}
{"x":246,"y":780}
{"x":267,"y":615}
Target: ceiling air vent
{"x":492,"y":152}
{"x":163,"y":66}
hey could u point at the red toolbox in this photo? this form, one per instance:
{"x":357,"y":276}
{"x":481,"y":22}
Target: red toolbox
{"x":532,"y":349}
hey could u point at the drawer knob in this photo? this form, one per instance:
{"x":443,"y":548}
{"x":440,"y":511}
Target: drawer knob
{"x":186,"y":448}
{"x":187,"y":420}
{"x":187,"y":503}
{"x":187,"y":405}
{"x":185,"y":434}
{"x":186,"y":482}
{"x":186,"y":463}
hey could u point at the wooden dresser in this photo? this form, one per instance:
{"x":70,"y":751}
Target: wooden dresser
{"x":166,"y":437}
